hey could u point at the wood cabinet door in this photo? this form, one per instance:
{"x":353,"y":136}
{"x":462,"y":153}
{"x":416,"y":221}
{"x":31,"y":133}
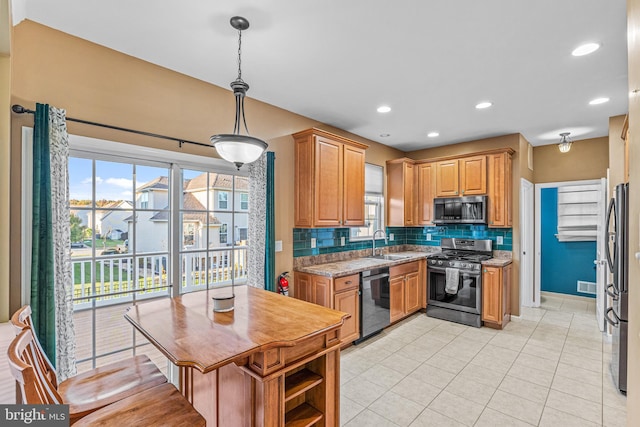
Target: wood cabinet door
{"x":412,"y":292}
{"x":499,"y":190}
{"x":426,"y":182}
{"x":491,"y":295}
{"x":303,"y":192}
{"x":328,"y":183}
{"x":302,"y":285}
{"x":473,"y":175}
{"x":447,"y":178}
{"x":322,"y":291}
{"x":396,"y":298}
{"x":353,"y":186}
{"x":349,"y":302}
{"x":408,"y":193}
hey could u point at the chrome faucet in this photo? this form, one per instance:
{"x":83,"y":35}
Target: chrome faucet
{"x":373,"y":239}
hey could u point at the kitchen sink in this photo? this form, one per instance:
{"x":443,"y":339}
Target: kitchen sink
{"x":389,"y":257}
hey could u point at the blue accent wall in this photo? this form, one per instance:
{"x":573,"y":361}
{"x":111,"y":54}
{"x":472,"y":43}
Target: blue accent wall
{"x":562,"y":264}
{"x":328,"y":239}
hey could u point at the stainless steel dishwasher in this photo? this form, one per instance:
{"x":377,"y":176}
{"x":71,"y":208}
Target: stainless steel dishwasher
{"x":374,"y":302}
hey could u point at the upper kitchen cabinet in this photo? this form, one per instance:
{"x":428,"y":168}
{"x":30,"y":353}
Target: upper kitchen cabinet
{"x":400,"y":193}
{"x":500,"y":188}
{"x":329,"y":180}
{"x":465,"y":176}
{"x":426,"y":183}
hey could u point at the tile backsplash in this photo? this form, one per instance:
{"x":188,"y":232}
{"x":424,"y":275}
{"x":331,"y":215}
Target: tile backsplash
{"x":328,"y":240}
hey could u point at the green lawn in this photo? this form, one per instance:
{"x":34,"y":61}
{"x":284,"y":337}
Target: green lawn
{"x":118,"y":274}
{"x":105,"y":243}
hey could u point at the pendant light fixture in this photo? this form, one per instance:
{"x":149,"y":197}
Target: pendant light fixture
{"x":565,"y":143}
{"x":237,"y":148}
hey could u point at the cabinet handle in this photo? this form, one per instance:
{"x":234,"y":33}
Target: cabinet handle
{"x":456,"y":192}
{"x":348,"y":282}
{"x":485,"y":270}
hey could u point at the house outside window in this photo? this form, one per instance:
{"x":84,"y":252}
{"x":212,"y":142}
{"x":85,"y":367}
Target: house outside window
{"x":244,"y":201}
{"x":129,"y":200}
{"x":223,"y":233}
{"x":223,"y":198}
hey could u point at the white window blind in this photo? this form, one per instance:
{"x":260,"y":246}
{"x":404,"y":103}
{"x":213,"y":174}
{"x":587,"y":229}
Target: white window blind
{"x":579,"y":207}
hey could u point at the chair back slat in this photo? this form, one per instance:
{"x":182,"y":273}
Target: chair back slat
{"x":20,"y":321}
{"x":23,"y":364}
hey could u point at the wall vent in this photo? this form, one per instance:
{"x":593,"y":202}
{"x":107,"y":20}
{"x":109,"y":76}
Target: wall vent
{"x":587,"y":287}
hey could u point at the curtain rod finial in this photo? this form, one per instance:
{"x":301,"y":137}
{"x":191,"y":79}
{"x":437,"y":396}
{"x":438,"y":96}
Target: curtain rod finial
{"x":19,"y":109}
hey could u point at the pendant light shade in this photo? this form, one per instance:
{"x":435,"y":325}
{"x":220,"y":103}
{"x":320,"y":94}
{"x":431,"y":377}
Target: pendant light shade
{"x":237,"y":148}
{"x":565,"y":143}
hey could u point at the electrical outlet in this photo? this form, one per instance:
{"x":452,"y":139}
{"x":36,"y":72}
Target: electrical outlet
{"x":343,"y":241}
{"x":313,"y":242}
{"x":392,"y":237}
{"x":499,"y":240}
{"x":429,"y":236}
{"x":278,"y":245}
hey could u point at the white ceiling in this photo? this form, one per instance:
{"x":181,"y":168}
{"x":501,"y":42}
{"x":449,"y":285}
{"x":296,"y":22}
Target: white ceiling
{"x":430,"y":61}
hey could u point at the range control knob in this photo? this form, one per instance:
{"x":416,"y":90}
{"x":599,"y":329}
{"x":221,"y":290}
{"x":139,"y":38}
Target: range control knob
{"x":439,"y":262}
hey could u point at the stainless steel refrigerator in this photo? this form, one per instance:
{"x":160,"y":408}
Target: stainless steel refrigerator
{"x":618,"y":257}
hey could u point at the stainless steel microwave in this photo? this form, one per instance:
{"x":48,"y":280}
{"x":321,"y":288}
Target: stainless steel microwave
{"x":460,"y":210}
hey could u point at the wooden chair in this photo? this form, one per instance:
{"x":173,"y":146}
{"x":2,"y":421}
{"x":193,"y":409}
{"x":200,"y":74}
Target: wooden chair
{"x":160,"y":405}
{"x":94,"y":389}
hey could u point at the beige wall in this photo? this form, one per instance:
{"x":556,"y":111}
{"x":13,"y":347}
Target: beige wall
{"x":5,"y":116}
{"x":633,"y":393}
{"x":517,"y":143}
{"x":98,"y":84}
{"x":587,"y":159}
{"x":616,"y":152}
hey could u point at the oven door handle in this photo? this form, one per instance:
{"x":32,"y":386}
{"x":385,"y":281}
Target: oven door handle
{"x":443,"y":270}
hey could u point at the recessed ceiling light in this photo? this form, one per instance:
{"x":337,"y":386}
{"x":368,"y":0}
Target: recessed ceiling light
{"x":433,"y":134}
{"x":384,"y":135}
{"x":585,"y":49}
{"x":484,"y":104}
{"x":598,"y":101}
{"x":384,"y":109}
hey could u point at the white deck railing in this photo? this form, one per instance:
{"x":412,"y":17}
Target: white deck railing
{"x":119,"y":277}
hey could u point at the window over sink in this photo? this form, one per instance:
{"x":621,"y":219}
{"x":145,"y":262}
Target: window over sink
{"x":373,"y":203}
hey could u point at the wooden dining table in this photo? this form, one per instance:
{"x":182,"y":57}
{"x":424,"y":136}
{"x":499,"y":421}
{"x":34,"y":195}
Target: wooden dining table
{"x":272,"y":361}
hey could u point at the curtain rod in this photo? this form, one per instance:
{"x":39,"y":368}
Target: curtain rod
{"x":19,"y":109}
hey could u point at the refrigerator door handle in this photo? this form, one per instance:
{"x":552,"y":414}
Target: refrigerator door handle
{"x":608,"y":234}
{"x":613,"y":323}
{"x":614,"y":293}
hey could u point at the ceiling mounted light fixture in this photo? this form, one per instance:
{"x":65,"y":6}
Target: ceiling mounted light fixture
{"x":384,"y":109}
{"x":585,"y":49}
{"x":598,"y":101}
{"x":565,"y":143}
{"x":433,"y":134}
{"x":483,"y":105}
{"x":236,"y":148}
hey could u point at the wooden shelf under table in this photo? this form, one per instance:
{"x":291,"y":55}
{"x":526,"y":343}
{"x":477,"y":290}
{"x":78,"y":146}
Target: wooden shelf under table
{"x":298,"y":383}
{"x":303,"y":415}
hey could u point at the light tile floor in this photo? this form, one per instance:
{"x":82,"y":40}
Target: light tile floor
{"x":549,"y":367}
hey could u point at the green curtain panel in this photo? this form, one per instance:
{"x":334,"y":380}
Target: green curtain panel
{"x":42,"y":273}
{"x":270,"y":250}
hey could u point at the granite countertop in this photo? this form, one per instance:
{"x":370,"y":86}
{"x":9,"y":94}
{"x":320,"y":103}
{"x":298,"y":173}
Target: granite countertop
{"x":356,"y":265}
{"x":497,"y":262}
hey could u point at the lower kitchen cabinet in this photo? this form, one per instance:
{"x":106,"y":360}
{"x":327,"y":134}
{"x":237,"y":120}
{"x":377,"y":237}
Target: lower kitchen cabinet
{"x":496,"y":296}
{"x":404,"y":290}
{"x":339,"y":293}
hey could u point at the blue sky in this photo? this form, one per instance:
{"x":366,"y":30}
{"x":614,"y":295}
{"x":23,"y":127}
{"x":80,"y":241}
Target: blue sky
{"x":114,"y":181}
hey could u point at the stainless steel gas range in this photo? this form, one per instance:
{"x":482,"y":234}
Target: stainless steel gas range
{"x":454,"y":280}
